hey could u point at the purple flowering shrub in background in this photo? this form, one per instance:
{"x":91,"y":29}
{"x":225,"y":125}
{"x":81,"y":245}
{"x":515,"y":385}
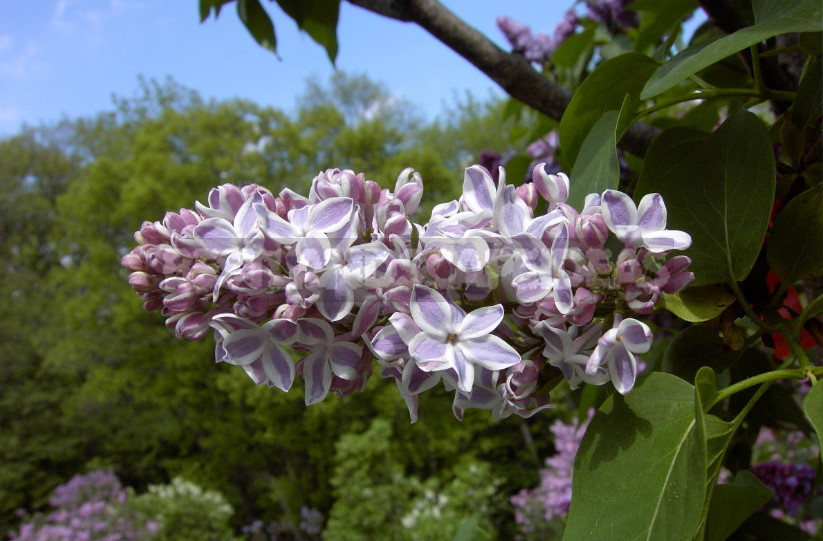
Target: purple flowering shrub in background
{"x":540,"y":511}
{"x":90,"y":507}
{"x":500,"y":296}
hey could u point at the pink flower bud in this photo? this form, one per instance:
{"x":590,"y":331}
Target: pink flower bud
{"x":152,"y":234}
{"x":553,"y":188}
{"x":528,"y":193}
{"x":133,"y":262}
{"x":141,"y":282}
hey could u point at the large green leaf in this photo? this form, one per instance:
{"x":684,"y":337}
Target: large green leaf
{"x":795,"y":246}
{"x":603,"y":90}
{"x":813,"y":406}
{"x":695,"y":347}
{"x":772,"y":18}
{"x":717,"y":187}
{"x":318,"y":18}
{"x":640,"y":472}
{"x":258,"y":23}
{"x":696,"y":304}
{"x":733,"y":503}
{"x":596,"y":168}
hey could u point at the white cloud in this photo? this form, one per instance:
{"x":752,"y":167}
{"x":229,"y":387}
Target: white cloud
{"x":71,"y":15}
{"x":18,"y":65}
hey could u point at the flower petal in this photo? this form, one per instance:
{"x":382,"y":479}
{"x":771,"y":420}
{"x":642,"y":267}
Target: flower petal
{"x":431,"y":312}
{"x":279,"y":367}
{"x":336,"y":298}
{"x":244,"y":346}
{"x":344,"y":358}
{"x":478,"y":189}
{"x":510,"y":212}
{"x":635,"y":335}
{"x":465,"y":371}
{"x":330,"y":215}
{"x":618,"y":209}
{"x":668,"y":239}
{"x":467,"y":254}
{"x":431,"y":355}
{"x":481,"y":322}
{"x":623,"y":369}
{"x":651,"y":213}
{"x":387,"y":344}
{"x":490,"y":352}
{"x":318,"y":375}
{"x":217,"y":236}
{"x":314,"y":251}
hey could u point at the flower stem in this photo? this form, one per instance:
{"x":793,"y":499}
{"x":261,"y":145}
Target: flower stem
{"x":767,"y":377}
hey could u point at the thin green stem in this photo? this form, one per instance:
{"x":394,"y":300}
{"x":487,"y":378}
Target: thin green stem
{"x":797,"y":349}
{"x":714,"y":93}
{"x":757,"y":70}
{"x":791,"y":373}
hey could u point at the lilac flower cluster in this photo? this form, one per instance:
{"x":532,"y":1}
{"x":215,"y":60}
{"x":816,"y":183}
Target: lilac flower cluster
{"x":613,"y":13}
{"x":791,"y":483}
{"x":490,"y":298}
{"x":552,"y":498}
{"x":87,"y":508}
{"x":536,"y":48}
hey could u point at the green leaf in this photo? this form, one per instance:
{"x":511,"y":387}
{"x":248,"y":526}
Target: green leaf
{"x":603,"y":90}
{"x":811,"y":42}
{"x":470,"y":530}
{"x":813,"y":309}
{"x":640,"y":471}
{"x":570,"y":51}
{"x":806,"y":108}
{"x":516,"y":169}
{"x":695,"y":347}
{"x":596,"y":168}
{"x":207,"y":6}
{"x":795,"y":246}
{"x":813,"y":406}
{"x":258,"y":23}
{"x":772,"y":18}
{"x":318,"y":18}
{"x":705,"y":386}
{"x":733,"y":503}
{"x":696,"y":304}
{"x":657,"y":17}
{"x":718,"y":188}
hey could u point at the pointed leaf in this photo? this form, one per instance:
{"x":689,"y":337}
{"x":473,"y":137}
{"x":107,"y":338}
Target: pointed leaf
{"x":318,"y":18}
{"x":696,"y":304}
{"x":718,"y":188}
{"x":640,"y":471}
{"x":733,"y":503}
{"x":602,"y":91}
{"x":258,"y":23}
{"x":773,"y":18}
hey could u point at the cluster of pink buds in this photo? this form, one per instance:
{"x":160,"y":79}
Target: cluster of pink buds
{"x":490,"y":298}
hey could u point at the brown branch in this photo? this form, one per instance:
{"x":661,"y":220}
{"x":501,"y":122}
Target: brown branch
{"x":513,"y":73}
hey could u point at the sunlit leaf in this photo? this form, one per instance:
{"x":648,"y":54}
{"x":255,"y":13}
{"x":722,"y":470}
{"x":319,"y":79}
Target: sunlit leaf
{"x":596,"y":168}
{"x":603,"y":90}
{"x":696,"y":304}
{"x":640,"y":471}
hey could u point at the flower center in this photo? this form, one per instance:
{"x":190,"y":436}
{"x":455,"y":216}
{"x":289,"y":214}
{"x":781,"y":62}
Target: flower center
{"x":451,"y":338}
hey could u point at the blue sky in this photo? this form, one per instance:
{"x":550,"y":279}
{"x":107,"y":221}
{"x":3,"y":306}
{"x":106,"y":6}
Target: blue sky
{"x":68,"y":57}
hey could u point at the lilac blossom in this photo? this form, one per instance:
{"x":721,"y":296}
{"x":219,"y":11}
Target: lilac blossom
{"x":551,"y":499}
{"x":487,"y":299}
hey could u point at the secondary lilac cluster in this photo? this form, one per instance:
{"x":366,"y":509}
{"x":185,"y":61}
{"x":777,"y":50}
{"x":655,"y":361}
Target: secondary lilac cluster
{"x":536,"y":48}
{"x":87,"y":508}
{"x":552,"y":498}
{"x":491,"y":298}
{"x":791,"y":483}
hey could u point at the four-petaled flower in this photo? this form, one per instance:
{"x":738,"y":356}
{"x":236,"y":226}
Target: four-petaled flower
{"x":642,"y":226}
{"x":616,"y":349}
{"x":451,"y":339}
